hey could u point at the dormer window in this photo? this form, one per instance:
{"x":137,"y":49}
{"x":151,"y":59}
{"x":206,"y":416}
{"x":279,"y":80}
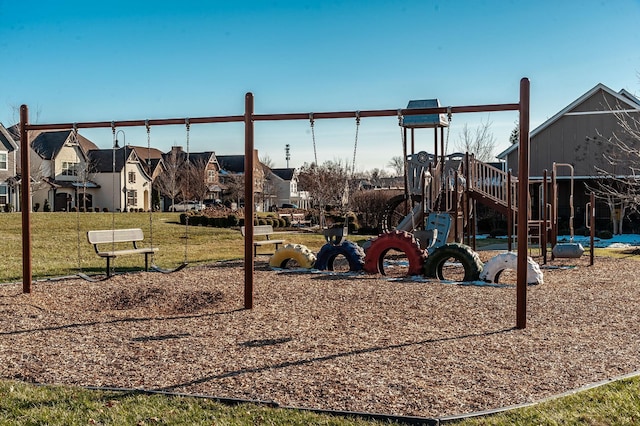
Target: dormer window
{"x":69,"y":168}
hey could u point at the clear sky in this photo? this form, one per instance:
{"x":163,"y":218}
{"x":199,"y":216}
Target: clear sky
{"x":76,"y":61}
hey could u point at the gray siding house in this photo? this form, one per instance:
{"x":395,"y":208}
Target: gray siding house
{"x":9,"y":188}
{"x":579,"y":135}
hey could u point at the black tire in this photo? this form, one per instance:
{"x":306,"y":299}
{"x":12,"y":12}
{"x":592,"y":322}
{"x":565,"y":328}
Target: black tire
{"x":396,"y":209}
{"x":350,"y":250}
{"x":433,"y":267}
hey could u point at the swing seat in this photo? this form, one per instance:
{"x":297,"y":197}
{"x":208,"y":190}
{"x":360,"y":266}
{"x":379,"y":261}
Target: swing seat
{"x":119,"y":236}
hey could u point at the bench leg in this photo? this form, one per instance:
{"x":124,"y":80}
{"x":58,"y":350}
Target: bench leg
{"x":108,"y":267}
{"x":146,"y":262}
{"x":255,"y":250}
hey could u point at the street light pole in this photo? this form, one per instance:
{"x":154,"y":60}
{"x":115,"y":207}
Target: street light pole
{"x":124,"y":146}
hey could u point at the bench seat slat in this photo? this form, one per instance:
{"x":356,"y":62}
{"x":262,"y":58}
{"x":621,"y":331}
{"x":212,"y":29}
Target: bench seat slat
{"x":126,"y":252}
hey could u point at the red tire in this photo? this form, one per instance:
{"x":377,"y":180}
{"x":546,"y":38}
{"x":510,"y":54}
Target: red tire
{"x":397,"y":240}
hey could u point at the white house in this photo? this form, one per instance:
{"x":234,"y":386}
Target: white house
{"x":122,"y":178}
{"x":60,"y":172}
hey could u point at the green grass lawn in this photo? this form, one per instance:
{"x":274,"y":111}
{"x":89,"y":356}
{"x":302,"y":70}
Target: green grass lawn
{"x":60,"y":247}
{"x":616,"y":403}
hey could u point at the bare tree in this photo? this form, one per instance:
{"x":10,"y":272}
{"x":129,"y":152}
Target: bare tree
{"x":235,"y":187}
{"x":168,"y":183}
{"x":327,"y":183}
{"x":192,"y":180}
{"x":619,"y":185}
{"x":397,"y":164}
{"x":267,"y":161}
{"x":479,"y":141}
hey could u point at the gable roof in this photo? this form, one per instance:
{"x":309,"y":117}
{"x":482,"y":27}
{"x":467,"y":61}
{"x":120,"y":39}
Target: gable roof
{"x":284,"y":174}
{"x":623,"y":96}
{"x":48,"y":144}
{"x":102,"y":160}
{"x":231,"y":163}
{"x":145,"y":153}
{"x":6,"y":139}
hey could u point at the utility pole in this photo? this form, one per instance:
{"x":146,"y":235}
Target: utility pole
{"x":287,"y":150}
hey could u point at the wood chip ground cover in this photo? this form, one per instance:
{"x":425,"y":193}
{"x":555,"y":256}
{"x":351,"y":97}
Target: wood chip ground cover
{"x":329,"y":341}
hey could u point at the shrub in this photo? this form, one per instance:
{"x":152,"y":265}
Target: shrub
{"x":183,"y":218}
{"x":47,"y":206}
{"x":498,"y":232}
{"x":232,"y":220}
{"x":605,"y":235}
{"x":262,"y":222}
{"x":105,"y":209}
{"x":283,"y":222}
{"x":36,"y":207}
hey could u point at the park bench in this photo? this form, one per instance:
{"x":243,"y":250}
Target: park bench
{"x":110,"y":237}
{"x":265,"y":231}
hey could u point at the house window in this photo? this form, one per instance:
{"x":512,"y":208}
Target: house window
{"x":211,"y":176}
{"x":4,"y":194}
{"x":132,"y":177}
{"x":69,"y":169}
{"x":3,"y":161}
{"x":132,"y":198}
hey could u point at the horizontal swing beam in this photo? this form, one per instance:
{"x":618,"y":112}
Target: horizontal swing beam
{"x":278,"y":117}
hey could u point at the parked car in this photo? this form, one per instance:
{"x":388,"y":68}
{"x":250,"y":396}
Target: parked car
{"x":184,"y":206}
{"x":289,"y":206}
{"x":210,"y":202}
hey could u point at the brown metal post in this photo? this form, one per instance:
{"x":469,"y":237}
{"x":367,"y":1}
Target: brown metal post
{"x":407,"y":195}
{"x":553,"y":215}
{"x":543,"y":231}
{"x":592,"y":223}
{"x":523,"y":196}
{"x":467,"y":212}
{"x":509,"y":213}
{"x":25,"y":200}
{"x":248,"y":201}
{"x":455,"y":201}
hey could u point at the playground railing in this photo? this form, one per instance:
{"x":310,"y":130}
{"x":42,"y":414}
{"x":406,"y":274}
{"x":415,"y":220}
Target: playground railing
{"x":491,"y":182}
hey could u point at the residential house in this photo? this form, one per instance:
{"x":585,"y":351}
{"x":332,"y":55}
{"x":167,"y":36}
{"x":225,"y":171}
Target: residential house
{"x":232,"y":172}
{"x":9,"y":188}
{"x":203,"y":184}
{"x":61,"y":176}
{"x":578,"y":135}
{"x":123,"y":179}
{"x":283,"y":189}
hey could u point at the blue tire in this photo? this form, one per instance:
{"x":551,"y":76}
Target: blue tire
{"x":350,"y":250}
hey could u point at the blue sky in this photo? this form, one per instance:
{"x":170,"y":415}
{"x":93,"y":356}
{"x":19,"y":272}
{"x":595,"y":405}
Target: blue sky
{"x":76,"y":61}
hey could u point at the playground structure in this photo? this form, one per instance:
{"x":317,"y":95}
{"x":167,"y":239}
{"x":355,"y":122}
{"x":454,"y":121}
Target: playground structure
{"x":249,"y":117}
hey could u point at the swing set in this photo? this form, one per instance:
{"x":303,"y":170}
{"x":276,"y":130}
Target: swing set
{"x":248,"y":118}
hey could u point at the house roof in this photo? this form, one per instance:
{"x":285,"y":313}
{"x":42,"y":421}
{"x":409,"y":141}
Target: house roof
{"x":201,"y":157}
{"x":623,"y":96}
{"x":102,"y":160}
{"x":145,"y":153}
{"x":48,"y":144}
{"x":6,"y":139}
{"x":284,"y":174}
{"x":231,"y":163}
